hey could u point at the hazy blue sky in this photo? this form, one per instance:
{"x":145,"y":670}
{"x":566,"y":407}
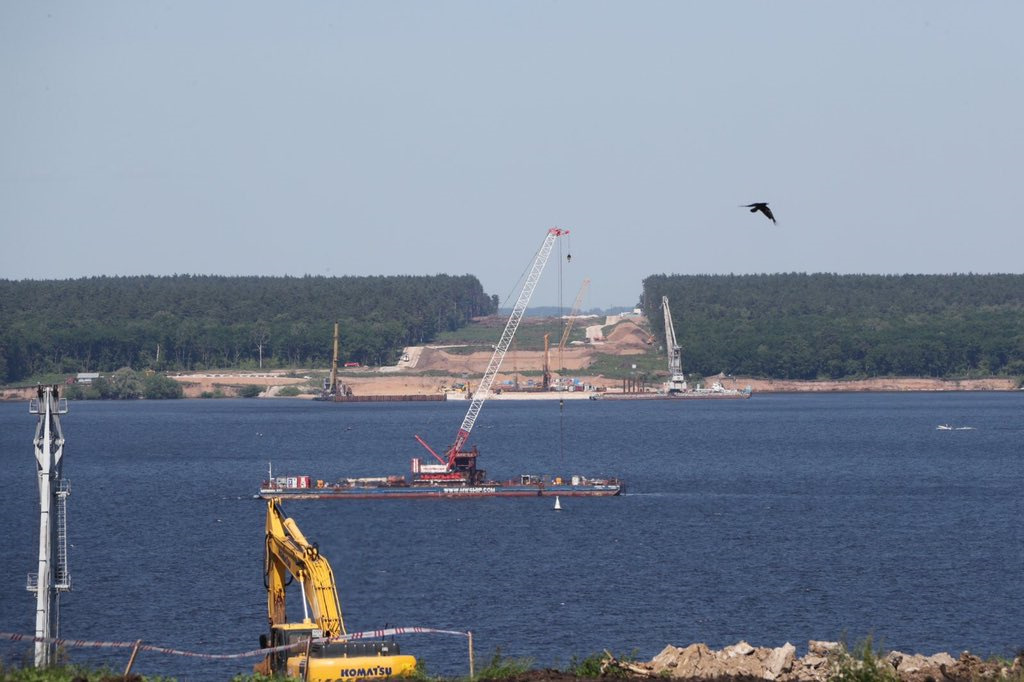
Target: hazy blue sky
{"x":373,"y":138}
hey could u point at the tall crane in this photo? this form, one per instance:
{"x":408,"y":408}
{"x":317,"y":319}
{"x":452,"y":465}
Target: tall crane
{"x":570,"y":320}
{"x":676,"y":381}
{"x":333,"y":388}
{"x":484,"y":388}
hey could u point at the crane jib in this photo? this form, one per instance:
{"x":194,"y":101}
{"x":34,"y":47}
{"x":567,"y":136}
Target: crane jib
{"x":484,"y":389}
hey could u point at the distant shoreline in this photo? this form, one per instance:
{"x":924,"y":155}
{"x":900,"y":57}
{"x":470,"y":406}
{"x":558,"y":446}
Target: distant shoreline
{"x":226,"y":384}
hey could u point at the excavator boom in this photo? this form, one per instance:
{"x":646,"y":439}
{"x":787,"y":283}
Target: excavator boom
{"x":288,"y":554}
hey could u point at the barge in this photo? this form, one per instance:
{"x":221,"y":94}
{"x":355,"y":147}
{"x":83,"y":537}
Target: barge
{"x":437,"y":481}
{"x":456,"y":474}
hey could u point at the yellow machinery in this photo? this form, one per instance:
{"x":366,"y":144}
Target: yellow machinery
{"x":288,"y":553}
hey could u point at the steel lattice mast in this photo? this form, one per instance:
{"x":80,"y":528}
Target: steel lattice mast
{"x":484,"y":389}
{"x":52,"y":576}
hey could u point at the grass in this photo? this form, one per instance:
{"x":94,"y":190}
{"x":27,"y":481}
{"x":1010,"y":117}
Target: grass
{"x":595,"y":665}
{"x":70,"y":673}
{"x":500,"y":668}
{"x":862,"y":664}
{"x":529,"y":334}
{"x":652,"y":364}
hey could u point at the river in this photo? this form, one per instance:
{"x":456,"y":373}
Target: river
{"x":779,"y":518}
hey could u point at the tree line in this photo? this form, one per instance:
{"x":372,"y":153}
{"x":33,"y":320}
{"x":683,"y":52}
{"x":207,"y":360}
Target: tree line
{"x":193,"y":322}
{"x":827,"y":326}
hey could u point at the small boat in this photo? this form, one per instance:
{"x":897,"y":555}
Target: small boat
{"x":944,"y":427}
{"x":558,"y":505}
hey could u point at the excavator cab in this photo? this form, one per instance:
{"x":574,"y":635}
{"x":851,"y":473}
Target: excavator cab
{"x":336,"y":660}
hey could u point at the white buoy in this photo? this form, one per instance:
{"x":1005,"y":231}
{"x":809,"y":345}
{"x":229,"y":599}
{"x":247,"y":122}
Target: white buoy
{"x":558,"y":505}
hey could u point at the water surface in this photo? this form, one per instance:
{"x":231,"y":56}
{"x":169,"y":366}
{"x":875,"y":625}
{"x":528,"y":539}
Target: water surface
{"x":781,"y":518}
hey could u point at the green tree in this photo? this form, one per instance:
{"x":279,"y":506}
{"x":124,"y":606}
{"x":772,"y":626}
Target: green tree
{"x":161,"y":387}
{"x":125,"y":384}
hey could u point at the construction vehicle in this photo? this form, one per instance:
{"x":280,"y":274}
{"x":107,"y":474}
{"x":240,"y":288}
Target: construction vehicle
{"x":289,"y":557}
{"x":676,"y":380}
{"x":332,"y":388}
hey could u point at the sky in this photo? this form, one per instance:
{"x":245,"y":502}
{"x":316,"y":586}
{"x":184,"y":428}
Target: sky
{"x":381,"y":138}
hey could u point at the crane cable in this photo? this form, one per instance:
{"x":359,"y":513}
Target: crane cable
{"x":561,"y":401}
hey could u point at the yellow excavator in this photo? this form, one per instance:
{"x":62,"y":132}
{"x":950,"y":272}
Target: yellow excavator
{"x":289,"y":554}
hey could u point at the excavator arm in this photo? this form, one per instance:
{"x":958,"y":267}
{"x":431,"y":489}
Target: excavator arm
{"x":289,"y":556}
{"x":289,"y":553}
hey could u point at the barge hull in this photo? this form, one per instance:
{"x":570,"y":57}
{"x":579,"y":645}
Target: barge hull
{"x":453,"y":492}
{"x":680,"y":396}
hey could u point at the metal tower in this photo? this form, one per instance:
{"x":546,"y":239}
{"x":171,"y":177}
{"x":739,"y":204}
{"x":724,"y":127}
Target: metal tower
{"x":53,"y":576}
{"x":676,"y":381}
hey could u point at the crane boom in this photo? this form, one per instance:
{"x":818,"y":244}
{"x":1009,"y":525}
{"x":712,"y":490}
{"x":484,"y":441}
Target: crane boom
{"x":676,"y":379}
{"x":573,"y":314}
{"x":484,"y":389}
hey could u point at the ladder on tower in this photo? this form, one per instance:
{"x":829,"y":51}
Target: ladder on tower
{"x":63,"y":576}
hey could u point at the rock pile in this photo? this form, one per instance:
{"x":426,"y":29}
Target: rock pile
{"x":823,"y":661}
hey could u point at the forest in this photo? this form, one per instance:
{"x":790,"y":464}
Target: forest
{"x":190,"y":322}
{"x":784,"y":326}
{"x":827,"y":326}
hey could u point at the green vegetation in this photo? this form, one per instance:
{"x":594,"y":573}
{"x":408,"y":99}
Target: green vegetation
{"x":100,"y":324}
{"x":70,"y":673}
{"x":824,"y":326}
{"x":862,"y":664}
{"x":160,"y":387}
{"x":651,"y":366}
{"x":484,"y":334}
{"x":126,"y":384}
{"x":595,"y":666}
{"x":785,"y":326}
{"x":500,"y":668}
{"x":250,"y":391}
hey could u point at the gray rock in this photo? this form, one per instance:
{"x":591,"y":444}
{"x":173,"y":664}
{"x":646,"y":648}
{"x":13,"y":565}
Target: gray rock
{"x":780,"y":661}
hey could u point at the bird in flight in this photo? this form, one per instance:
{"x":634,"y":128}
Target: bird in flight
{"x":761,"y":206}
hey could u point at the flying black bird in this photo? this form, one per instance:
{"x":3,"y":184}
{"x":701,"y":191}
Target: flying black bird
{"x":761,"y":206}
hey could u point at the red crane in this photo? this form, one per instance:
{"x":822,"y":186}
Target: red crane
{"x":456,"y":459}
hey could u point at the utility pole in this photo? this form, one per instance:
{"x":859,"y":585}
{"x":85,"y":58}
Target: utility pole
{"x":53,"y":576}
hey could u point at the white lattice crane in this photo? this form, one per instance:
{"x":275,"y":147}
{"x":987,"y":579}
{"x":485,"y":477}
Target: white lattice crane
{"x":676,"y":381}
{"x":484,"y":389}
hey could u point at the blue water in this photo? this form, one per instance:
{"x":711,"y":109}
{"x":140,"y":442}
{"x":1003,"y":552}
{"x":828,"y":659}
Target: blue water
{"x":781,"y":518}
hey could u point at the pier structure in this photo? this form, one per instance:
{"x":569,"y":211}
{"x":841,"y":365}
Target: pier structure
{"x":52,"y":576}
